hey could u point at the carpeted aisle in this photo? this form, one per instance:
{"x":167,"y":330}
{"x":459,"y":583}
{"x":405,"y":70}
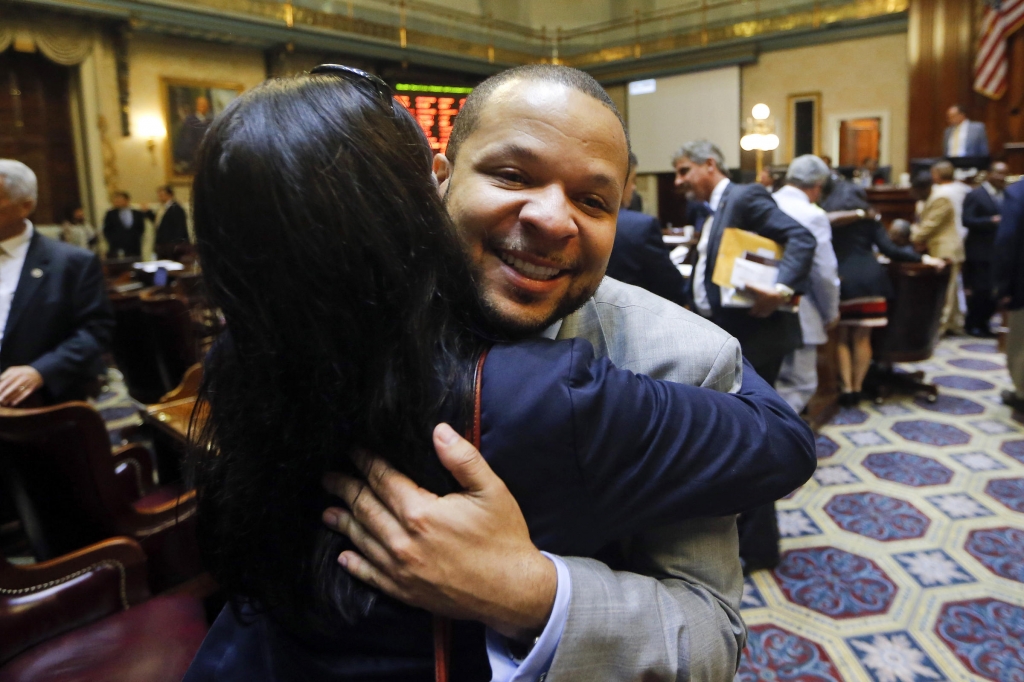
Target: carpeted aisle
{"x":903,"y":560}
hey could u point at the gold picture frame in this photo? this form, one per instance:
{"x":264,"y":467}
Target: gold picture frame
{"x":791,"y":103}
{"x":189,"y":108}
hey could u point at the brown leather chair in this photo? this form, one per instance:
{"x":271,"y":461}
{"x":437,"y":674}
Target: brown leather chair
{"x":154,"y":342}
{"x":132,"y":348}
{"x":86,"y":616}
{"x":70,"y":490}
{"x":915,"y":312}
{"x":171,"y":333}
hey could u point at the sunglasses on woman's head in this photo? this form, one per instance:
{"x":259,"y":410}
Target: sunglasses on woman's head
{"x":380,"y":88}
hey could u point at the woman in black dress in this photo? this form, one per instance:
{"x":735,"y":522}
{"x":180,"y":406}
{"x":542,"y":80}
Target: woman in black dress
{"x":864,"y":283}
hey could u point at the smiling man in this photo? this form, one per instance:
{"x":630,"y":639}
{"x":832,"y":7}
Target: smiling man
{"x":535,"y":195}
{"x":533,"y":178}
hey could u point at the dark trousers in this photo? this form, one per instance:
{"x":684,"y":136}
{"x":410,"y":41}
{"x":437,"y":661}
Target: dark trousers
{"x":981,"y":305}
{"x":759,"y":527}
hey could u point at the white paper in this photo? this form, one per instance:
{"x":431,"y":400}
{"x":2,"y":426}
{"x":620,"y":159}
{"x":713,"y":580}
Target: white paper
{"x":679,"y":254}
{"x":748,"y":273}
{"x":151,"y":266}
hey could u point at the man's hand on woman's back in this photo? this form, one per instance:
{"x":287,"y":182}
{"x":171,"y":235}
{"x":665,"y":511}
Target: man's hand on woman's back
{"x":466,"y":555}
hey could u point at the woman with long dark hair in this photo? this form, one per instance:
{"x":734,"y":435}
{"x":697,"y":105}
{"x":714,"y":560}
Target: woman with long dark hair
{"x":353,"y":321}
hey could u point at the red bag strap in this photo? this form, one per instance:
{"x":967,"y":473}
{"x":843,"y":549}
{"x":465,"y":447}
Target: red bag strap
{"x":442,"y":625}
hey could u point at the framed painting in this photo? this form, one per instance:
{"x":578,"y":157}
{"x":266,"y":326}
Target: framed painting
{"x":189,"y":108}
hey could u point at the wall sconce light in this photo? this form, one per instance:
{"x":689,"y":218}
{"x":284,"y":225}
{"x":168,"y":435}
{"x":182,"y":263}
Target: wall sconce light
{"x":150,"y":128}
{"x":760,"y":135}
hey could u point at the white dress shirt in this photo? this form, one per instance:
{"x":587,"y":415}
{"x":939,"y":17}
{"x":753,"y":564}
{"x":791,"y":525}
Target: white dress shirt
{"x":958,"y":140}
{"x":824,"y":289}
{"x":700,"y":294}
{"x":126,"y":217}
{"x":12,"y":259}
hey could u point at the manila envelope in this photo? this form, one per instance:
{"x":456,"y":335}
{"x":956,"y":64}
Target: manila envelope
{"x":734,"y":242}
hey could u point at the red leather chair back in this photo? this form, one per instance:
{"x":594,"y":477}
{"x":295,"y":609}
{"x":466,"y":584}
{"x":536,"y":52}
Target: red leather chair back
{"x":58,"y":465}
{"x":43,"y":600}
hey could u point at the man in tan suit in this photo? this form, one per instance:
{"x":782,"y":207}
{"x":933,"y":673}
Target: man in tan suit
{"x":935,"y":233}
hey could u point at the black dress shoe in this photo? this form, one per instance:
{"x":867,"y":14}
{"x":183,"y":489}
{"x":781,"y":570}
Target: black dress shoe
{"x":850,"y":399}
{"x":1010,"y":399}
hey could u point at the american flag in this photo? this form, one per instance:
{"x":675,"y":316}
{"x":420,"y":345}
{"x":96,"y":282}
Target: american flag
{"x":1001,"y":19}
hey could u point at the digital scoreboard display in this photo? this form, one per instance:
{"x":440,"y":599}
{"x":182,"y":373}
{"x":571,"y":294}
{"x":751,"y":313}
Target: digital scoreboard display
{"x":434,"y":107}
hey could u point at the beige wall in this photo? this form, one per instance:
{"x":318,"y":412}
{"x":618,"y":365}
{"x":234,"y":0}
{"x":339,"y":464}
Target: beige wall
{"x":152,"y":58}
{"x":868,"y":76}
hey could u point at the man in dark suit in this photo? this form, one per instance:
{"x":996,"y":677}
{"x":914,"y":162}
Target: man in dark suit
{"x":56,"y":319}
{"x":639,"y":256}
{"x":963,"y":137}
{"x":123,"y":228}
{"x":981,"y":218}
{"x":1008,"y":278}
{"x":766,"y":334}
{"x":171,"y":224}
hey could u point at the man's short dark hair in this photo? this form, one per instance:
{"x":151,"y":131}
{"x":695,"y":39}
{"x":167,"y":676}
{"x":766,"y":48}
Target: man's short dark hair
{"x":959,"y":108}
{"x":633,"y":161}
{"x":122,"y":193}
{"x":469,"y":115}
{"x":923,"y":180}
{"x":167,"y":189}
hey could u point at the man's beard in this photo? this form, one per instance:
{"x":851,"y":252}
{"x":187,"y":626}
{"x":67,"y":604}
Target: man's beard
{"x":511,"y":327}
{"x":517,"y":328}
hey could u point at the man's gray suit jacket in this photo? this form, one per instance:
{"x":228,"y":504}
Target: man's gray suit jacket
{"x":680,"y":619}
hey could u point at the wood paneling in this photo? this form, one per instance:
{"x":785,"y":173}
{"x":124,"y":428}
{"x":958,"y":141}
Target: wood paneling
{"x":35,"y":128}
{"x":858,"y":140}
{"x":941,"y":46}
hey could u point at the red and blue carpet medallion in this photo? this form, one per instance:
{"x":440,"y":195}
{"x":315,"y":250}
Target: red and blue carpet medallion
{"x":903,"y":558}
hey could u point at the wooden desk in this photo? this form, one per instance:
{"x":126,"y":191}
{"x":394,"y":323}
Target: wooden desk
{"x":892,"y":203}
{"x":1014,"y":156}
{"x":172,"y":418}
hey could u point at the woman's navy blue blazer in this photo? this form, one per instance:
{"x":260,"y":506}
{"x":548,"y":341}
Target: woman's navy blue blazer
{"x":593,"y":454}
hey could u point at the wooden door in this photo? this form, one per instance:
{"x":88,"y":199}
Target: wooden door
{"x":35,"y":128}
{"x":858,"y":140}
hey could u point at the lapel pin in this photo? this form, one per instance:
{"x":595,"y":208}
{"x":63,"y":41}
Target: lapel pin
{"x":37,"y":272}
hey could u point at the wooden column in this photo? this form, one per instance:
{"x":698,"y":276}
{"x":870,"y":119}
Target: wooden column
{"x":941,"y":43}
{"x":940,"y":53}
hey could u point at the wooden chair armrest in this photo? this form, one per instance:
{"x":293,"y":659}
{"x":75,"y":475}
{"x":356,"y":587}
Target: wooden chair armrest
{"x":143,"y":522}
{"x":189,"y":385}
{"x":133,"y":468}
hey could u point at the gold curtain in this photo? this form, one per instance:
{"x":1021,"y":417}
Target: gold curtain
{"x":67,"y":43}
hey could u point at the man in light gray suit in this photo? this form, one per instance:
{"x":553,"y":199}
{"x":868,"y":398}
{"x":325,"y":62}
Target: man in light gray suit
{"x":963,"y":137}
{"x":533,"y":179}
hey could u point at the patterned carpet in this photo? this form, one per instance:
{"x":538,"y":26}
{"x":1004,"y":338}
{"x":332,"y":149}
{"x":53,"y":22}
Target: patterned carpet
{"x":903,"y":559}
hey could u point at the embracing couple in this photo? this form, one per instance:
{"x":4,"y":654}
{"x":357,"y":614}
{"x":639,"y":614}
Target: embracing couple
{"x":380,"y":302}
